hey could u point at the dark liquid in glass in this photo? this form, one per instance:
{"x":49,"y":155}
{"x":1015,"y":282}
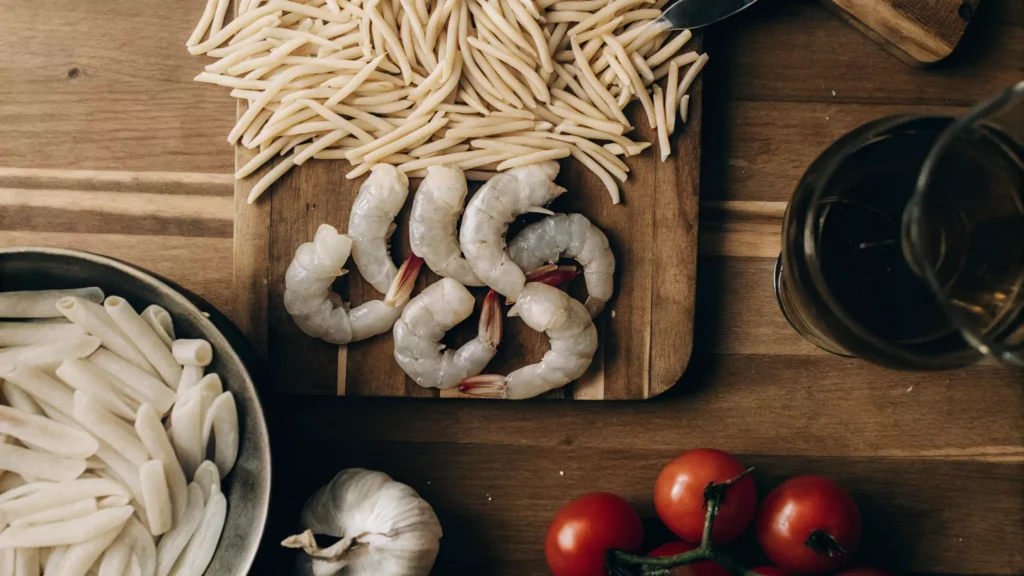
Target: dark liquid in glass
{"x":974,"y":237}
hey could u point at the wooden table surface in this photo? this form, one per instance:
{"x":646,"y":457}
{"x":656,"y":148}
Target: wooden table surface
{"x":106,"y":145}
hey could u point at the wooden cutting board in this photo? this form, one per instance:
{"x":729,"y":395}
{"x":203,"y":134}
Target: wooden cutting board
{"x":920,"y":32}
{"x":646,"y":331}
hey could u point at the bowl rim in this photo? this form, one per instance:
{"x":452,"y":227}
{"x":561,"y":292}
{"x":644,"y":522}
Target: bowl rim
{"x":246,"y":559}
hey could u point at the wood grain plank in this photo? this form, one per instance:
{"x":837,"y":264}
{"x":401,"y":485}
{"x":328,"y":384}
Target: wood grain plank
{"x":150,"y":182}
{"x":201,"y":265}
{"x":127,"y":212}
{"x":99,"y":86}
{"x":746,"y":229}
{"x":301,"y":201}
{"x":139,"y":203}
{"x":741,"y":240}
{"x":738,"y":311}
{"x":674,"y":280}
{"x":766,"y":146}
{"x":797,"y":51}
{"x":628,"y":340}
{"x":251,"y":257}
{"x":807,"y":406}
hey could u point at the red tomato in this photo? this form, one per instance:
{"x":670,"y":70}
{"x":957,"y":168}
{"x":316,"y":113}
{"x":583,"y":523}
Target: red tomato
{"x":770,"y":571}
{"x":809,"y":525}
{"x":679,"y":495}
{"x":864,"y":571}
{"x":585,"y":529}
{"x":695,"y":569}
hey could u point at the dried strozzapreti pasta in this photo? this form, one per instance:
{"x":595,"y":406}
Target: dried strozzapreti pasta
{"x":425,"y":83}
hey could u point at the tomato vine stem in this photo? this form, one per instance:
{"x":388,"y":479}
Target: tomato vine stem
{"x":618,"y":561}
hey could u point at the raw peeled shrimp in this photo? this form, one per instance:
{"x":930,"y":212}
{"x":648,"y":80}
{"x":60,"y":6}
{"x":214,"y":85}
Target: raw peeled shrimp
{"x":492,"y":209}
{"x":569,"y":236}
{"x":371,"y":223}
{"x":319,"y":312}
{"x":433,"y":233}
{"x":573,"y":343}
{"x":427,"y":317}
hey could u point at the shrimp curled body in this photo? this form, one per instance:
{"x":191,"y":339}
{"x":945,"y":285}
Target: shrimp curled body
{"x":569,"y":236}
{"x":573,"y":343}
{"x":319,"y":312}
{"x":433,"y":230}
{"x":371,"y":223}
{"x":427,"y":317}
{"x":492,"y":209}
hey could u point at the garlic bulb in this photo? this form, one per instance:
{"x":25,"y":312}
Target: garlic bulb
{"x":386,"y":529}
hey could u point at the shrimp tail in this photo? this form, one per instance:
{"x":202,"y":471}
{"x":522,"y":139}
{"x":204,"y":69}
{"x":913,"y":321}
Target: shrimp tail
{"x":553,"y":275}
{"x":490,"y":320}
{"x":401,"y":289}
{"x":485,"y":385}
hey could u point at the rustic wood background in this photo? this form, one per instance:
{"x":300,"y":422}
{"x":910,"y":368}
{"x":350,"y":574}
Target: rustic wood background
{"x":108,"y":146}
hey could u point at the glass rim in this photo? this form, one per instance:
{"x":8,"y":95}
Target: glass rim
{"x":911,"y":224}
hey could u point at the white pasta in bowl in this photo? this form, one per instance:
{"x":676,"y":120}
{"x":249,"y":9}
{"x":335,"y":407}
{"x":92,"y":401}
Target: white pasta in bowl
{"x":132,"y":439}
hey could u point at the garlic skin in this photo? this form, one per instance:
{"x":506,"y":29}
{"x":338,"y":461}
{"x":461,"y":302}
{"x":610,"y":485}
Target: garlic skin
{"x":386,"y":529}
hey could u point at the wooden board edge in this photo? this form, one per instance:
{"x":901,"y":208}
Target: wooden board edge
{"x":252,"y":276}
{"x":921,"y":57}
{"x":675,"y":274}
{"x":251,"y":257}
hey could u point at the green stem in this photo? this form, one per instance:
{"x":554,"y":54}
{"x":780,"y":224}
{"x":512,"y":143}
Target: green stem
{"x":709,"y":521}
{"x":713,"y":494}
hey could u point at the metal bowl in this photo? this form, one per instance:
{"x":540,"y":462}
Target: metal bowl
{"x":248,"y":486}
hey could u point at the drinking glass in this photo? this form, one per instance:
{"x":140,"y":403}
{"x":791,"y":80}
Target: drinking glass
{"x":904,"y":241}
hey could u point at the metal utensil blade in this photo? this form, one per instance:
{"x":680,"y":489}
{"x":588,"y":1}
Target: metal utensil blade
{"x":692,"y":14}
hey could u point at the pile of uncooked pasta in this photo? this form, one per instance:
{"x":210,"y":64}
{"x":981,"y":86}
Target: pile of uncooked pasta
{"x":104,"y":435}
{"x":485,"y":85}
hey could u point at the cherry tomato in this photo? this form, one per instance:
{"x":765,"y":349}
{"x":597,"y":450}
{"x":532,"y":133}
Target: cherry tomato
{"x":769,"y":571}
{"x":695,"y":569}
{"x":809,"y":525}
{"x":864,"y":571}
{"x":585,"y":529}
{"x":679,"y":495}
